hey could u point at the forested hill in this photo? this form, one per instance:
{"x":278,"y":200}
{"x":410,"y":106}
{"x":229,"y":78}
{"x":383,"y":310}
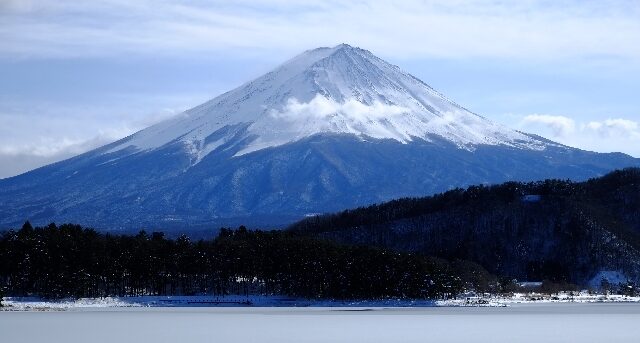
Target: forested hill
{"x":553,"y":229}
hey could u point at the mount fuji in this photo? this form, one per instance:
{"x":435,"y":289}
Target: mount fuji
{"x":330,"y":129}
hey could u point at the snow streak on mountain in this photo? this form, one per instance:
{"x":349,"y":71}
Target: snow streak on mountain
{"x":330,"y":129}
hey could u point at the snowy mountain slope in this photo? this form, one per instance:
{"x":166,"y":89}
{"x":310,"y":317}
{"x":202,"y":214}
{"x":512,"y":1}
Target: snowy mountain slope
{"x":330,"y":129}
{"x":327,"y":90}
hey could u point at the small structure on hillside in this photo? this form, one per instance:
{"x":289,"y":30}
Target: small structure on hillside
{"x":530,"y":286}
{"x":531,"y":198}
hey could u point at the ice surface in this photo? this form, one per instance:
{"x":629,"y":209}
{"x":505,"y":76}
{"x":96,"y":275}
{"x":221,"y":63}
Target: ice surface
{"x":523,"y":323}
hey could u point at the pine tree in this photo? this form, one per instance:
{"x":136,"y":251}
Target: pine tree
{"x":27,"y":226}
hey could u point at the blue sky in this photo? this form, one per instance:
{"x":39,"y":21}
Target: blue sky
{"x":78,"y":74}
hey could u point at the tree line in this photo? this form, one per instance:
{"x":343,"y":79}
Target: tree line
{"x":72,"y":261}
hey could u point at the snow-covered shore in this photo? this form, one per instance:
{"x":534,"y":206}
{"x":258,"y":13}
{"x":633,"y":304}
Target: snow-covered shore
{"x":537,"y":298}
{"x":31,"y":303}
{"x":37,"y":304}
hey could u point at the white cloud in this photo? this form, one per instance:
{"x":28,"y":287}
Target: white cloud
{"x":18,"y":158}
{"x":560,"y":126}
{"x":52,"y":147}
{"x":608,"y":135}
{"x":615,"y":127}
{"x":297,"y":120}
{"x":42,"y":134}
{"x":321,"y":107}
{"x":459,"y":29}
{"x":21,"y":155}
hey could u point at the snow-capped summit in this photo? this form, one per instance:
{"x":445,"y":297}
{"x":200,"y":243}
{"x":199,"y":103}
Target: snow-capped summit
{"x":342,"y":89}
{"x":330,"y":129}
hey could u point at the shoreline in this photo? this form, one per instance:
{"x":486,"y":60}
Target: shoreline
{"x":236,"y":301}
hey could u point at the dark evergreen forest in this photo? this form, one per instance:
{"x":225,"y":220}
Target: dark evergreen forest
{"x":557,"y":230}
{"x":72,"y":261}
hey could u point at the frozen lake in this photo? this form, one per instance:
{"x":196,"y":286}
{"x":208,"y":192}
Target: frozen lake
{"x":599,"y":322}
